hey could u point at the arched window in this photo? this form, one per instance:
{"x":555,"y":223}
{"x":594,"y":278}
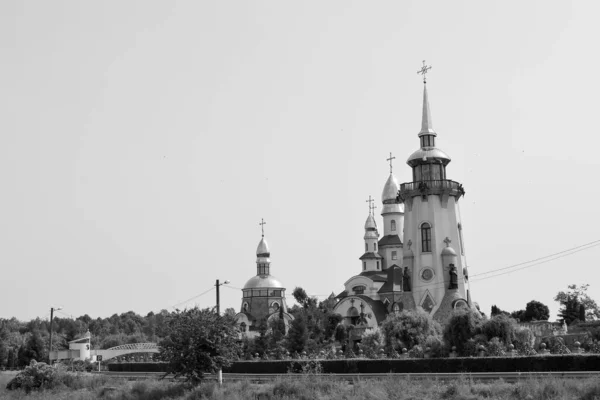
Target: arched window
{"x":377,"y":264}
{"x":393,"y":225}
{"x":374,"y":246}
{"x":396,"y":308}
{"x":364,"y":265}
{"x":275,"y":306}
{"x":426,"y":238}
{"x":366,"y":247}
{"x":245,"y":307}
{"x":243,"y":327}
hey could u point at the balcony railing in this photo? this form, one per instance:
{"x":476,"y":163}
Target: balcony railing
{"x":421,"y":188}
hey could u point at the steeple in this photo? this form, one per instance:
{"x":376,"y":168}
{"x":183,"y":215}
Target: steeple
{"x":371,"y":258}
{"x":263,"y":262}
{"x":426,"y":124}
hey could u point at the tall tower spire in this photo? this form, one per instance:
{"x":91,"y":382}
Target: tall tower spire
{"x":263,"y":261}
{"x":426,"y":123}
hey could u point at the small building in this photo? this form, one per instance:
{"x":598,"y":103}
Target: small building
{"x":263,"y":296}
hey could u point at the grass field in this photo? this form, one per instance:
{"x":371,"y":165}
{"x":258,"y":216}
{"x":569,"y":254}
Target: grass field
{"x":313,"y":387}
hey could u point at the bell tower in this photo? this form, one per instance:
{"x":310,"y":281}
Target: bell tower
{"x":432,"y":225}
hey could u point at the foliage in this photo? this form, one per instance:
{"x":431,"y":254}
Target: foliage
{"x":572,"y":299}
{"x":303,"y":299}
{"x":536,"y":311}
{"x":557,"y":345}
{"x":407,"y":329}
{"x":499,"y":326}
{"x":297,"y":335}
{"x":199,"y":341}
{"x":524,"y":341}
{"x":437,"y":347}
{"x":461,"y":326}
{"x":34,"y":376}
{"x":33,"y":349}
{"x":371,"y":343}
{"x":496,"y":348}
{"x":497,"y":311}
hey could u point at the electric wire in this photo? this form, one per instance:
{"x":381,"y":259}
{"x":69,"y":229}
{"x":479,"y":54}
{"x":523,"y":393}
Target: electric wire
{"x":192,"y":298}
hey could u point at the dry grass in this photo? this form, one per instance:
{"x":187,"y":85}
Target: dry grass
{"x":312,"y":387}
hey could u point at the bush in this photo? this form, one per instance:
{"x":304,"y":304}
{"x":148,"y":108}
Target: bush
{"x":557,"y":345}
{"x":462,"y":326}
{"x":407,"y":329}
{"x":500,"y":326}
{"x":34,"y":376}
{"x":496,"y":348}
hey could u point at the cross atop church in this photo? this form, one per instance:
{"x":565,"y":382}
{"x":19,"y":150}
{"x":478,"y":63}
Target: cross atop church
{"x":371,"y":205}
{"x":423,"y":71}
{"x":390,"y":160}
{"x":262,"y":226}
{"x":447,"y":241}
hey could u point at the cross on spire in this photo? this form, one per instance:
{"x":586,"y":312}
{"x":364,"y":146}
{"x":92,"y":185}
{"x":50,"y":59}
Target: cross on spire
{"x":370,"y":201}
{"x":390,"y":160}
{"x":262,"y":226}
{"x":423,"y":71}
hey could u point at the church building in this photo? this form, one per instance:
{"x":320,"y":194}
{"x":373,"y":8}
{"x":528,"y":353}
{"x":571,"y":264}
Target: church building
{"x":419,"y":261}
{"x":263,"y":296}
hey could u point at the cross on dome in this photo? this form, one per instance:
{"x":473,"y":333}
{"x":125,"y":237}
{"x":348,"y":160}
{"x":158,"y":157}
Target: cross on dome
{"x":423,"y":71}
{"x":390,"y":160}
{"x":371,"y":205}
{"x":262,"y":226}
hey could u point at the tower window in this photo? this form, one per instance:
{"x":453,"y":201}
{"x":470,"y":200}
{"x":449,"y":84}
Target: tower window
{"x":393,"y":225}
{"x":364,"y":265}
{"x":366,"y":247}
{"x":426,"y":238}
{"x":374,"y":246}
{"x":394,"y":255}
{"x":377,"y":264}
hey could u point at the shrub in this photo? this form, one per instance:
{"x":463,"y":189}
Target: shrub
{"x":500,"y":326}
{"x":557,"y":345}
{"x":371,"y":343}
{"x":407,"y":329}
{"x":462,"y":326}
{"x":495,"y":348}
{"x":34,"y":376}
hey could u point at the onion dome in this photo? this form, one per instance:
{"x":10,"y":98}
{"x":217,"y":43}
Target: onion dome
{"x":263,"y":248}
{"x":448,"y":251}
{"x":427,"y":153}
{"x":370,"y":223}
{"x":263,"y":281}
{"x":390,"y":190}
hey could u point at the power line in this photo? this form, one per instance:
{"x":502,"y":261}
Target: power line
{"x":595,"y":243}
{"x":192,"y":298}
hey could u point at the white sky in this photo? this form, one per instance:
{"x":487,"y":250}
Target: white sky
{"x":142,"y":142}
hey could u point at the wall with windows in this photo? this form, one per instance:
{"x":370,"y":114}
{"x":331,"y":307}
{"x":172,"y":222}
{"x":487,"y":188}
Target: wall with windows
{"x":429,"y":277}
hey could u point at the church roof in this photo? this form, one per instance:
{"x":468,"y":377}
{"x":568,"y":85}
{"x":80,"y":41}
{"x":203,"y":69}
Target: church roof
{"x":263,"y":248}
{"x":370,"y":223}
{"x":377,"y":306}
{"x":375,"y":276}
{"x":390,"y":189}
{"x":263,"y":282}
{"x":390,"y":240}
{"x":370,"y":256}
{"x":393,"y":282}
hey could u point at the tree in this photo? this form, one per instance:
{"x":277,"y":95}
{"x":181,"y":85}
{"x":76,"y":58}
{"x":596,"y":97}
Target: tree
{"x":500,"y":326}
{"x":519,"y":315}
{"x":407,"y":329}
{"x":199,"y":341}
{"x":302,"y":298}
{"x":569,"y":312}
{"x":578,"y":294}
{"x":297,"y":335}
{"x":536,"y":311}
{"x":461,"y":326}
{"x":230,"y":311}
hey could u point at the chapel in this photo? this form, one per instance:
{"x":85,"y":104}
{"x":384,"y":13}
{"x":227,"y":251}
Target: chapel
{"x":263,"y":296}
{"x":419,"y":260}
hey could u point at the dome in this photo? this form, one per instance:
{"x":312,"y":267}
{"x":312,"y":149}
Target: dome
{"x":428,"y":152}
{"x":370,"y":222}
{"x":263,"y":247}
{"x":263,"y":281}
{"x":390,"y":190}
{"x":448,"y":251}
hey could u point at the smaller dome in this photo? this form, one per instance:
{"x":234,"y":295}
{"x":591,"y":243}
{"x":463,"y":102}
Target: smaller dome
{"x":263,"y":247}
{"x":370,"y":222}
{"x":263,"y":282}
{"x":448,"y":251}
{"x":390,"y":189}
{"x":426,"y":153}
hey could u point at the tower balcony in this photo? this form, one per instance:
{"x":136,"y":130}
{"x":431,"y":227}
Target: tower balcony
{"x":443,"y":187}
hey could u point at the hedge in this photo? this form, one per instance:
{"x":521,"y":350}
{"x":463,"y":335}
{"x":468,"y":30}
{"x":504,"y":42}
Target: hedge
{"x":572,"y":362}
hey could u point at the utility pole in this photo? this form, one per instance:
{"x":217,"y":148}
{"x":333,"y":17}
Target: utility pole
{"x":217,"y":284}
{"x":52,"y":309}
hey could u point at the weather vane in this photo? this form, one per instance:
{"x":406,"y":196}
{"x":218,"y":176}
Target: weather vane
{"x":390,"y":160}
{"x":423,"y":71}
{"x":262,"y":226}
